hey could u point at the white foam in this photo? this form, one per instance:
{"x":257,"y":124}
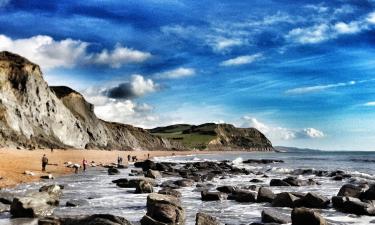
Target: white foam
{"x":237,"y":161}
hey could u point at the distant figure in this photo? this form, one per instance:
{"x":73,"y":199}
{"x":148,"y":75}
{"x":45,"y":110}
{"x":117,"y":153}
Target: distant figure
{"x":129,"y":158}
{"x":134,"y":158}
{"x":51,"y":150}
{"x":44,"y":162}
{"x":148,"y":155}
{"x":119,"y":160}
{"x":84,"y":164}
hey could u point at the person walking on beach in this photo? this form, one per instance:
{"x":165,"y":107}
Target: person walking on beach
{"x":129,"y":158}
{"x":44,"y":162}
{"x":148,"y":155}
{"x":84,"y":164}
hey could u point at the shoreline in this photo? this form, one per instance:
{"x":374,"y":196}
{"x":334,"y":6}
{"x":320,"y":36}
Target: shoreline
{"x":14,"y":162}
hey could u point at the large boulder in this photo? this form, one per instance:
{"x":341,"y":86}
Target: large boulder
{"x":213,"y":196}
{"x":170,"y":191}
{"x":278,"y":182}
{"x":146,"y":165}
{"x":113,"y":171}
{"x":34,"y":205}
{"x":133,"y":183}
{"x":350,"y":190}
{"x":226,"y":189}
{"x":245,"y":196}
{"x":184,"y":182}
{"x":353,"y":205}
{"x":369,"y":194}
{"x":205,"y":219}
{"x":144,"y":187}
{"x":96,"y":219}
{"x":265,"y":195}
{"x":313,"y":200}
{"x":285,"y":199}
{"x":154,"y":174}
{"x":163,"y":209}
{"x":307,"y":217}
{"x":52,"y":189}
{"x":274,"y":216}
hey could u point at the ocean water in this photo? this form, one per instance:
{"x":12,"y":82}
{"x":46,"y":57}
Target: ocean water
{"x":104,"y":197}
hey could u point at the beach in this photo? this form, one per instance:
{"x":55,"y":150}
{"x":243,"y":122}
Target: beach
{"x":14,"y":162}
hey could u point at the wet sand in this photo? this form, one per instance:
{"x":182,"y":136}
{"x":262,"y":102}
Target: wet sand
{"x":13,"y":162}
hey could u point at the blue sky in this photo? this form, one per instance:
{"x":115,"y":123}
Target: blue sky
{"x":300,"y":71}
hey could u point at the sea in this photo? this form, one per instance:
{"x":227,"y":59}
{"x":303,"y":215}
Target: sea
{"x":105,"y":197}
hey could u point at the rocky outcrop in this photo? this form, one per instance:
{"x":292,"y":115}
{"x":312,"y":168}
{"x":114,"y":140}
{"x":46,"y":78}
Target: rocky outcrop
{"x":34,"y":115}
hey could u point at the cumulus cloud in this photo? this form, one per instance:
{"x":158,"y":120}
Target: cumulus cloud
{"x":369,"y":104}
{"x":68,"y":53}
{"x":177,"y":73}
{"x":241,"y":60}
{"x":310,"y":35}
{"x":137,"y":86}
{"x":317,"y":88}
{"x":347,"y":28}
{"x":282,"y":133}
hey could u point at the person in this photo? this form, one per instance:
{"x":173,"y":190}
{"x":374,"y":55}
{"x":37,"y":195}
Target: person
{"x":134,"y":158}
{"x":51,"y":150}
{"x":118,"y":160}
{"x":44,"y":162}
{"x":148,"y":155}
{"x":129,"y":158}
{"x":84,"y":164}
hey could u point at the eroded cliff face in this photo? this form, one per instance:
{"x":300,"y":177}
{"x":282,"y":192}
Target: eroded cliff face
{"x":32,"y":115}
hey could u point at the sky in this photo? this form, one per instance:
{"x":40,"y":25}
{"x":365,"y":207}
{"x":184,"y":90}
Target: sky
{"x":302,"y":72}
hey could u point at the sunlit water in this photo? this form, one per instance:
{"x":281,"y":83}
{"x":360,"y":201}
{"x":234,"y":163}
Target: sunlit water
{"x":105,"y":197}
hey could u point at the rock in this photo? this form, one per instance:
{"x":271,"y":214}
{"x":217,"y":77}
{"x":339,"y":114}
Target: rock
{"x":205,"y":219}
{"x":184,"y":182}
{"x":163,"y":209}
{"x":274,"y":216}
{"x":113,"y":171}
{"x":350,"y":190}
{"x":34,"y":205}
{"x":313,"y":200}
{"x":278,"y":182}
{"x":256,"y":181}
{"x":226,"y":189}
{"x":96,"y":219}
{"x":76,"y":202}
{"x":133,"y":183}
{"x":245,"y":196}
{"x":307,"y":217}
{"x":169,"y":184}
{"x":47,"y":177}
{"x":369,"y":194}
{"x":170,"y":191}
{"x":146,"y":165}
{"x":337,"y":178}
{"x":154,"y":174}
{"x":262,"y":161}
{"x":352,"y":205}
{"x":293,"y":181}
{"x":213,"y":196}
{"x":144,"y":187}
{"x":265,"y":195}
{"x":284,"y":199}
{"x":49,"y":221}
{"x":52,"y":190}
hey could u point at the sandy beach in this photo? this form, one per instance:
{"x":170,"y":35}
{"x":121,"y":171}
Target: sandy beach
{"x":13,"y":162}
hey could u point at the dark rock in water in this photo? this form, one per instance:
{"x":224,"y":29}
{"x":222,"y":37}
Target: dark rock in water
{"x":6,"y":197}
{"x":353,"y":205}
{"x":313,"y":200}
{"x":96,"y":219}
{"x":369,"y":194}
{"x":262,"y":161}
{"x":274,"y":216}
{"x":49,"y":221}
{"x":256,"y":181}
{"x":265,"y":195}
{"x":213,"y":196}
{"x":170,"y":191}
{"x":278,"y":182}
{"x":146,"y":165}
{"x":303,"y":172}
{"x":337,"y":173}
{"x":284,"y":199}
{"x":76,"y":202}
{"x":163,"y":209}
{"x":120,"y":166}
{"x":337,"y":178}
{"x":184,"y":182}
{"x":293,"y":181}
{"x":34,"y":205}
{"x":307,"y":217}
{"x":257,"y":223}
{"x":205,"y":219}
{"x":113,"y":171}
{"x":245,"y":196}
{"x":144,"y":187}
{"x":133,"y":183}
{"x":226,"y":189}
{"x":169,"y":184}
{"x":350,"y":190}
{"x":154,"y":174}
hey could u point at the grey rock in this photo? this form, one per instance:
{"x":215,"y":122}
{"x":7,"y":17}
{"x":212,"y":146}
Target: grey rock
{"x":307,"y":217}
{"x":205,"y":219}
{"x":274,"y":216}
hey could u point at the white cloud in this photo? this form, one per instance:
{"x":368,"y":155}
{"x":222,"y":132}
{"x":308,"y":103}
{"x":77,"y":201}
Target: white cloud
{"x":241,"y":60}
{"x":119,"y":56}
{"x":282,"y":133}
{"x":371,"y":18}
{"x":369,"y":104}
{"x":310,"y":35}
{"x":347,"y":28}
{"x":221,"y":44}
{"x":317,"y":88}
{"x":177,"y":73}
{"x":68,"y":53}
